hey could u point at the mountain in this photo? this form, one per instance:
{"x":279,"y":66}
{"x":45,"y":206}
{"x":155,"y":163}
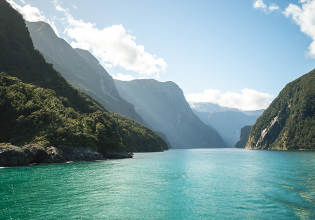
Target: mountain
{"x":244,"y":137}
{"x":164,"y":107}
{"x":80,"y":68}
{"x":289,"y":122}
{"x":209,"y":107}
{"x":38,"y":106}
{"x":227,"y":121}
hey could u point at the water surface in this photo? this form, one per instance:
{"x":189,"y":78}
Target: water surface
{"x":177,"y":184}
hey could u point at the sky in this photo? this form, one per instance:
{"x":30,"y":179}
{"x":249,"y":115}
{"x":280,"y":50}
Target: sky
{"x":235,"y":53}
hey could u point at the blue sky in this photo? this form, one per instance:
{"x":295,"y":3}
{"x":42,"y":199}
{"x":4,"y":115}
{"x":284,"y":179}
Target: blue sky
{"x":236,"y":53}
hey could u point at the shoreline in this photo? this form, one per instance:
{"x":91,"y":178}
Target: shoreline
{"x":13,"y":156}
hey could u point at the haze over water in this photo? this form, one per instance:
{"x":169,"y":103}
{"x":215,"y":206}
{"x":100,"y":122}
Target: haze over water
{"x":177,"y":184}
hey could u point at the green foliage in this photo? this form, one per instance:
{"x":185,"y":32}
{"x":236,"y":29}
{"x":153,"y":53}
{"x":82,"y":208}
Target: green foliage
{"x":38,"y":106}
{"x":295,"y":126}
{"x":31,"y":114}
{"x":39,"y":116}
{"x":138,"y":137}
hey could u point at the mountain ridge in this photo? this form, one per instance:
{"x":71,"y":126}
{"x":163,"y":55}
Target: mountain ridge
{"x":80,"y":68}
{"x":289,"y":122}
{"x":163,"y":106}
{"x":227,"y":121}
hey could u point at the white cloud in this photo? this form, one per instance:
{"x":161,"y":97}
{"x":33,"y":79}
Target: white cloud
{"x":114,"y":46}
{"x":123,"y":77}
{"x":126,"y":77}
{"x":304,"y":17}
{"x":29,"y":13}
{"x":32,"y":14}
{"x":274,"y":7}
{"x":248,"y":99}
{"x":260,"y":4}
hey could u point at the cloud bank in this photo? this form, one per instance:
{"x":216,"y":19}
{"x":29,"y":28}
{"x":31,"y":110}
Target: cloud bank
{"x":29,"y":13}
{"x":248,"y":99}
{"x":304,"y":17}
{"x":113,"y":45}
{"x":126,"y":77}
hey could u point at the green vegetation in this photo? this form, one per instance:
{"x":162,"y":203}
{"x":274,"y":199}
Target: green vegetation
{"x":40,"y":117}
{"x":295,"y":124}
{"x":38,"y":106}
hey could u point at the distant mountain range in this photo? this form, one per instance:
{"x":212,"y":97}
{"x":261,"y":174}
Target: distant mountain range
{"x":84,"y":72}
{"x":227,"y":121}
{"x":163,"y":106}
{"x":289,"y":122}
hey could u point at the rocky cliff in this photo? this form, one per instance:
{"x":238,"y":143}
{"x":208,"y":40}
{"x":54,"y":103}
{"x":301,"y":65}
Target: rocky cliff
{"x":11,"y":155}
{"x":244,"y":137}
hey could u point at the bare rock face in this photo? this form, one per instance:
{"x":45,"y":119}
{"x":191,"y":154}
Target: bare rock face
{"x":55,"y":155}
{"x":39,"y":154}
{"x":11,"y":156}
{"x":79,"y":154}
{"x":35,"y":154}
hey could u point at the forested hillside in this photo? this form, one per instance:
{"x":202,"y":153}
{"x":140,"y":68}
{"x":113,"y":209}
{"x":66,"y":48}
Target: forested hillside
{"x":289,"y":122}
{"x":37,"y":105}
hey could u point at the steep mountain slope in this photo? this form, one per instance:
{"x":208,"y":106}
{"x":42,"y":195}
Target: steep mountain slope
{"x":289,"y":122}
{"x":244,"y":137}
{"x":80,"y":68}
{"x":38,"y":106}
{"x":227,"y":121}
{"x":164,"y":107}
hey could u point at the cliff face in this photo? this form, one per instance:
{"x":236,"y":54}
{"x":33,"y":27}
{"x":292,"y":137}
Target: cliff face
{"x":244,"y":137}
{"x":289,"y":122}
{"x":164,"y":107}
{"x":38,"y":106}
{"x":80,"y":68}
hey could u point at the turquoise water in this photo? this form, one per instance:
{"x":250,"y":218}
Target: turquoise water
{"x":177,"y":184}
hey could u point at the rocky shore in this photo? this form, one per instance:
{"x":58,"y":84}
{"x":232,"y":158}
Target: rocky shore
{"x":11,"y":155}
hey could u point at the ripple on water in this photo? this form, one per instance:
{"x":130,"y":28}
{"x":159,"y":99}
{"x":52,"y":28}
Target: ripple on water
{"x":177,"y":184}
